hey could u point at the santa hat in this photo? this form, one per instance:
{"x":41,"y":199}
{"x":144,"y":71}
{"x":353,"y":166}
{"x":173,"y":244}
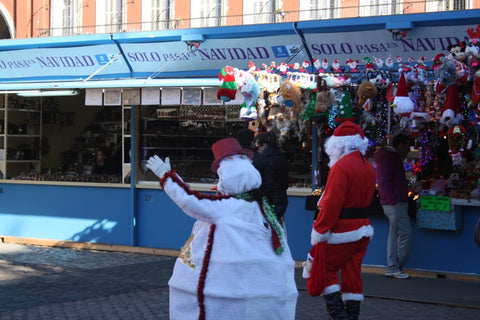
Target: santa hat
{"x":451,"y":111}
{"x":348,"y":137}
{"x":228,"y":88}
{"x":345,"y":108}
{"x":402,"y":104}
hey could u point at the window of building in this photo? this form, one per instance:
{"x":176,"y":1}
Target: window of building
{"x":319,"y":9}
{"x":207,"y":13}
{"x":380,"y":7}
{"x":260,"y":11}
{"x":157,"y":14}
{"x":66,"y":17}
{"x":447,"y":5}
{"x":110,"y":15}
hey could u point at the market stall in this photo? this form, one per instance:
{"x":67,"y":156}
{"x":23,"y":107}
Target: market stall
{"x":174,"y":93}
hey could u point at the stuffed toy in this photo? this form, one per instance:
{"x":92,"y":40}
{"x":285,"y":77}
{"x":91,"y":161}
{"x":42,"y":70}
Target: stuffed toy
{"x":378,"y":63}
{"x":456,"y":143}
{"x":451,"y":113}
{"x":381,"y":80}
{"x":402,"y":104}
{"x":289,"y":95}
{"x":228,"y":88}
{"x":324,"y":97}
{"x":476,"y":87}
{"x":389,"y":62}
{"x":457,"y":51}
{"x":353,"y":65}
{"x":463,"y":72}
{"x":472,"y":48}
{"x":240,"y":76}
{"x":366,"y":92}
{"x":446,"y":74}
{"x":250,"y":91}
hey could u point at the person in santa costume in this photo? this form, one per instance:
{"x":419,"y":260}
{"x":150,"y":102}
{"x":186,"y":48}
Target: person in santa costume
{"x":342,"y":229}
{"x":236,"y":263}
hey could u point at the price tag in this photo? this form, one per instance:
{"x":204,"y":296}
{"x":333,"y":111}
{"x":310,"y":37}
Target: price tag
{"x":434,"y":203}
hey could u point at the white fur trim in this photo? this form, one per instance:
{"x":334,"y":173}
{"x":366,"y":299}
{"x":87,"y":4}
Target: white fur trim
{"x":331,"y":289}
{"x":338,"y":147}
{"x":403,"y":105}
{"x":447,"y":115}
{"x":351,"y":236}
{"x":352,"y":296}
{"x":316,"y":237}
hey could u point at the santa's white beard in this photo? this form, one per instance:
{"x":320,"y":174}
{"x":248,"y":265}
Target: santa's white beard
{"x":335,"y":156}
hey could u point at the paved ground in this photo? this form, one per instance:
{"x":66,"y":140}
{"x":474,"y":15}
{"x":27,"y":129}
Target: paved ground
{"x":54,"y":283}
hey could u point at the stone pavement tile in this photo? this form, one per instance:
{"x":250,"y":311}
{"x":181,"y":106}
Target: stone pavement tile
{"x":313,"y":308}
{"x":142,"y":305}
{"x":54,"y":283}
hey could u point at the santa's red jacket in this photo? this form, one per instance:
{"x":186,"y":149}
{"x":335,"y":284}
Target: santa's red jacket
{"x":350,"y":184}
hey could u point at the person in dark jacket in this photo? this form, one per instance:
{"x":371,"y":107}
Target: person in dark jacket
{"x":246,"y":137}
{"x":393,"y":191}
{"x":275,"y":175}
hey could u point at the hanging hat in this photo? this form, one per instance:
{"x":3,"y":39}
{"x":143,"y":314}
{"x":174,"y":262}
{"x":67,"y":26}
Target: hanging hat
{"x":451,"y":111}
{"x":402,"y":104}
{"x":345,"y":108}
{"x":227,"y":147}
{"x":228,"y":88}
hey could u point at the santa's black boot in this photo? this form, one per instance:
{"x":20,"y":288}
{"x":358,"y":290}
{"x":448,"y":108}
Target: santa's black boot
{"x":353,"y":309}
{"x":335,"y":307}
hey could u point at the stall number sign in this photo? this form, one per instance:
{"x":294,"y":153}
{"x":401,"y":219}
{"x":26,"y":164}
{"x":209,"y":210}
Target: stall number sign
{"x":434,"y":203}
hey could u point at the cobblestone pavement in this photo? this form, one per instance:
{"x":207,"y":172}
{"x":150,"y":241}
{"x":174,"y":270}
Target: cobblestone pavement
{"x":54,"y":283}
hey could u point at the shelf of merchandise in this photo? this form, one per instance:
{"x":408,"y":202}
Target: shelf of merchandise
{"x":11,"y":140}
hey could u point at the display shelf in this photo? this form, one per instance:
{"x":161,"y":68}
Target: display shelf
{"x":21,"y":128}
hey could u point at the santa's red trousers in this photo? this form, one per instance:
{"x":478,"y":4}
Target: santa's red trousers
{"x":347,"y":258}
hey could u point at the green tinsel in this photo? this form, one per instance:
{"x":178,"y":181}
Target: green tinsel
{"x":270,"y":216}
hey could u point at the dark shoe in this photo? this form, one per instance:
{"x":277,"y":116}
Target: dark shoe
{"x":397,"y":275}
{"x":353,"y":309}
{"x":335,"y":307}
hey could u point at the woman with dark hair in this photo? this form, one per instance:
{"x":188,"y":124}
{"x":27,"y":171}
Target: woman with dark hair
{"x":275,"y":174}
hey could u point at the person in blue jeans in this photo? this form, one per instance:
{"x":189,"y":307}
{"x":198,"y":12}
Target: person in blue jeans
{"x":393,"y":191}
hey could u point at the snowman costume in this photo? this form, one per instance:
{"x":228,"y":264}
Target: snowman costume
{"x":236,"y":263}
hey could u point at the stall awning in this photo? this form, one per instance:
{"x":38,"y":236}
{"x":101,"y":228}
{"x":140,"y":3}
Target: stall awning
{"x":121,"y":83}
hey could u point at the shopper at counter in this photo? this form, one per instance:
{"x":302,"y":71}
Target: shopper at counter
{"x":393,"y":191}
{"x":236,"y":263}
{"x":275,"y":175}
{"x":103,"y":163}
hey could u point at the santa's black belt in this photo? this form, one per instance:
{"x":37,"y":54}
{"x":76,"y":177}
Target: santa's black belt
{"x":354,"y":213}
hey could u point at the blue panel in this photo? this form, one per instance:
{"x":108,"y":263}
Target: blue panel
{"x":299,"y":224}
{"x":161,"y":223}
{"x":86,"y":214}
{"x":434,"y":250}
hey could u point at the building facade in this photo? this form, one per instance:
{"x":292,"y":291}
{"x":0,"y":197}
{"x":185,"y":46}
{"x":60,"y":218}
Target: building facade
{"x":45,"y":18}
